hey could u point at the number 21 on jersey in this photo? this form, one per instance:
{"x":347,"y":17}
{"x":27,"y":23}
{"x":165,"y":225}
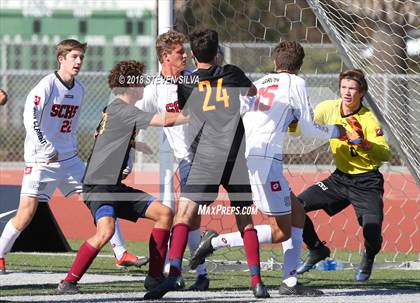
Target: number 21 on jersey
{"x":221,"y":94}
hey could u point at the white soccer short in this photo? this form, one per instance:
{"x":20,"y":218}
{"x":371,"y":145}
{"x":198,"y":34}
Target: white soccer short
{"x":270,"y":190}
{"x":40,"y":180}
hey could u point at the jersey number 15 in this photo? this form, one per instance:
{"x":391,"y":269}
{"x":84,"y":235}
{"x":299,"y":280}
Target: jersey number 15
{"x":265,"y":93}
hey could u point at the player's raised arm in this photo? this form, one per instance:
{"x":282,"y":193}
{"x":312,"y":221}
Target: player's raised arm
{"x":169,"y":119}
{"x":303,"y":112}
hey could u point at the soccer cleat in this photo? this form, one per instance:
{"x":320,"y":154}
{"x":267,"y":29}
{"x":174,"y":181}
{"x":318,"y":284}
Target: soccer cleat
{"x":201,"y":283}
{"x":68,"y":287}
{"x":204,"y":249}
{"x":260,"y":291}
{"x":151,"y":282}
{"x":171,"y":283}
{"x":2,"y":266}
{"x":299,"y":290}
{"x":365,"y":269}
{"x":314,"y":256}
{"x":131,"y":260}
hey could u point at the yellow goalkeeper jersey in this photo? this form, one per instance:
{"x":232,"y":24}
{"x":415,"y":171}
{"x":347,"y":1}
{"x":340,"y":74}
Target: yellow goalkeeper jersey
{"x":350,"y":158}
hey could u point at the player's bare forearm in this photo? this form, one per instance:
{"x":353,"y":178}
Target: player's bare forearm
{"x":172,"y":119}
{"x":169,"y":119}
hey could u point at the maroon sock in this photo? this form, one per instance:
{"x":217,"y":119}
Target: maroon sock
{"x":158,"y":245}
{"x":177,"y":248}
{"x":84,"y":258}
{"x":252,"y":252}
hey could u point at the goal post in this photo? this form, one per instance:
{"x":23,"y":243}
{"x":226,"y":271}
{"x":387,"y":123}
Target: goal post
{"x":166,"y":159}
{"x":339,"y":30}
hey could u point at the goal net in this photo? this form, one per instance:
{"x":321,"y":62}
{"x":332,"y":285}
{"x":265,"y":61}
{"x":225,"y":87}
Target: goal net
{"x":379,"y":37}
{"x":373,"y":36}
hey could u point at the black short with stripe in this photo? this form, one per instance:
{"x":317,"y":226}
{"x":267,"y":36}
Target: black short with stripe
{"x":363,"y":191}
{"x":129,"y":203}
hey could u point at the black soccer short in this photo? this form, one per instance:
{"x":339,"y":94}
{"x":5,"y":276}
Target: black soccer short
{"x":205,"y":177}
{"x":363,"y":191}
{"x":128,"y":203}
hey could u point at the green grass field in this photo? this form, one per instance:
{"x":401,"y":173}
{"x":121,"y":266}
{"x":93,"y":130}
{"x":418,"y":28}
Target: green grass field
{"x":381,"y":278}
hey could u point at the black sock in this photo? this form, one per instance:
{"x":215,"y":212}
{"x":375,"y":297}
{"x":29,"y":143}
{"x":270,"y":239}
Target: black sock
{"x":309,"y":235}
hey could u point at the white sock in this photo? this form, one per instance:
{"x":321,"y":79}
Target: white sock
{"x":235,"y":239}
{"x":117,"y":241}
{"x":290,"y":281}
{"x":264,"y":234}
{"x":194,"y":238}
{"x":8,"y":238}
{"x":292,"y":249}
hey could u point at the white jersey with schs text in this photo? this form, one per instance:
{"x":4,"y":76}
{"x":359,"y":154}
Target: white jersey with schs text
{"x":281,"y":99}
{"x":161,"y":97}
{"x":51,"y":116}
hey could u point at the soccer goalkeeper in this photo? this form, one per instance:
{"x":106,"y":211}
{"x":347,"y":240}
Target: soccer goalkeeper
{"x":357,"y":180}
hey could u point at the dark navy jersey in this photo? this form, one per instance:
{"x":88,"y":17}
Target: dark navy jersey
{"x":119,"y":123}
{"x":213,"y":104}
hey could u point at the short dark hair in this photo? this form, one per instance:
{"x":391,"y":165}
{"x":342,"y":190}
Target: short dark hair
{"x":123,"y":71}
{"x":167,"y":42}
{"x":355,"y":75}
{"x":204,"y":44}
{"x":288,"y":55}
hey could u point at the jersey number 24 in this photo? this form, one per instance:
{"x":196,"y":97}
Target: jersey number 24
{"x":221,"y":94}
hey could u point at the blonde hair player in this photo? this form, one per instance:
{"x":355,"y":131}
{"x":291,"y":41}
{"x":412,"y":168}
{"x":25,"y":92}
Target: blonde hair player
{"x":160,"y":96}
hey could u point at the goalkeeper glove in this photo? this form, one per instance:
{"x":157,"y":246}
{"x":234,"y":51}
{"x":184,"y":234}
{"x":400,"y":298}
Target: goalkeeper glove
{"x":356,"y":136}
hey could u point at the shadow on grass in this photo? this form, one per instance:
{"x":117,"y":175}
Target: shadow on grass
{"x":48,"y":290}
{"x":372,"y":283}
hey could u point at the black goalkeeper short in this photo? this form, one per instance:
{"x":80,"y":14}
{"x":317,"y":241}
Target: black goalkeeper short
{"x":363,"y":191}
{"x":128,"y":203}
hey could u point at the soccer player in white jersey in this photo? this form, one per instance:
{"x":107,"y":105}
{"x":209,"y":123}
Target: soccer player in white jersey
{"x":281,"y":100}
{"x":160,"y":96}
{"x":51,"y":115}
